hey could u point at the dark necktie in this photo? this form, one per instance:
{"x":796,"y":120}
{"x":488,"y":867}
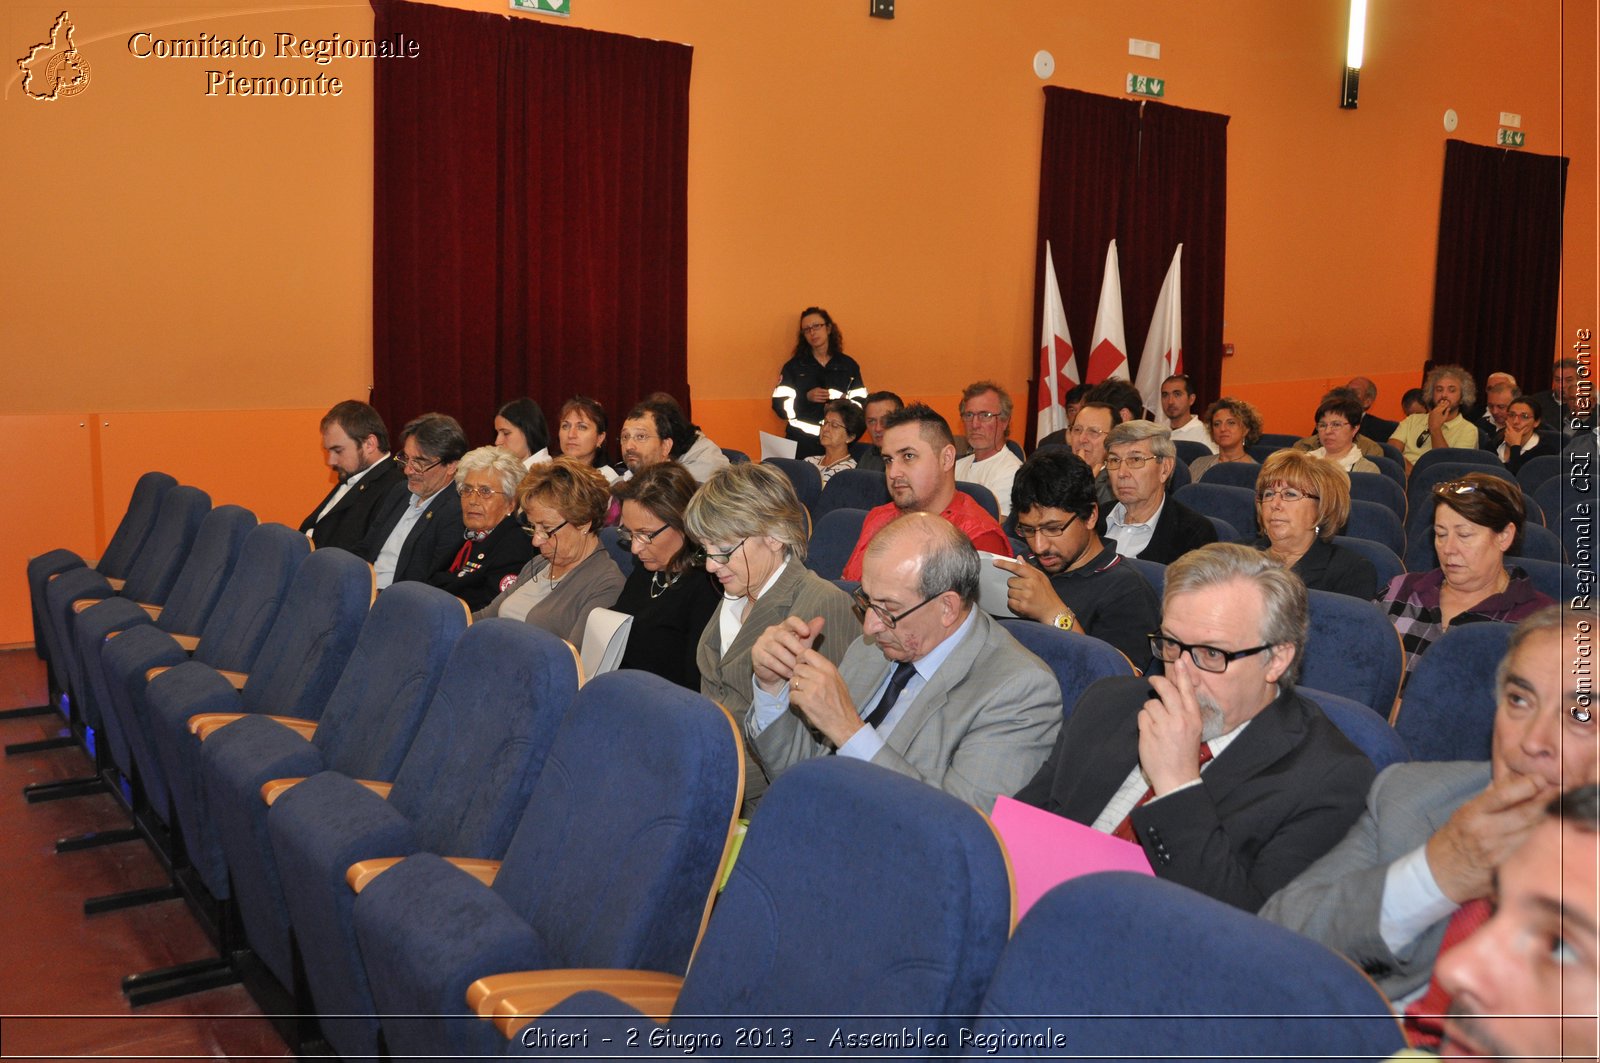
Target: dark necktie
{"x":1124,"y":829}
{"x":891,"y":694}
{"x":1423,"y":1016}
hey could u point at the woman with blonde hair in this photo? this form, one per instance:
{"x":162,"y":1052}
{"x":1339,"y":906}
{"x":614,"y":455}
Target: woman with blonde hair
{"x":1234,"y":424}
{"x":1301,"y":503}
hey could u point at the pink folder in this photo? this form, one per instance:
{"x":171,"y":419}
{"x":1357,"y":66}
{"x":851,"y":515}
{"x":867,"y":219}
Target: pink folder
{"x":1046,"y":850}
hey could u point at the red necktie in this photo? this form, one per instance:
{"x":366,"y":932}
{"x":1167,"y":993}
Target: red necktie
{"x":1423,"y":1021}
{"x":1125,"y":828}
{"x":461,"y":555}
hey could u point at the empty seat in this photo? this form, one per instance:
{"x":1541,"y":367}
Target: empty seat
{"x":614,"y":865}
{"x":834,"y":540}
{"x":1375,"y":487}
{"x":459,"y":792}
{"x":852,"y":489}
{"x":1367,"y":730}
{"x":805,"y":476}
{"x":1536,"y":471}
{"x":1448,"y":709}
{"x":1352,"y":650}
{"x":1236,"y":505}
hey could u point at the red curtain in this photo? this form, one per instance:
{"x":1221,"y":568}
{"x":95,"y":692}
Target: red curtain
{"x":1497,"y":278}
{"x":1151,"y":176}
{"x":531,"y":230}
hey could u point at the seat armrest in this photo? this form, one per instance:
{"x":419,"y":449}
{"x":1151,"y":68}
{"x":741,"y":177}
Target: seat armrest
{"x":274,"y":789}
{"x":205,"y":724}
{"x":189,"y":642}
{"x":153,"y":610}
{"x":80,"y":604}
{"x":510,"y":1000}
{"x":149,"y":677}
{"x":362,"y":872}
{"x":235,"y":679}
{"x":116,"y":584}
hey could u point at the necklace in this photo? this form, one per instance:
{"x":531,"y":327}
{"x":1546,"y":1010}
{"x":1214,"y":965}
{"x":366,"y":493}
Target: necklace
{"x":659,"y":585}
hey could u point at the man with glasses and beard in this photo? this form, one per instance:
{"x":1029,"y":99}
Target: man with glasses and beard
{"x":357,"y":443}
{"x":1073,"y":578}
{"x":934,"y":688}
{"x":1230,"y":781}
{"x":418,"y":528}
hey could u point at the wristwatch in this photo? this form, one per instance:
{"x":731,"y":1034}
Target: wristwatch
{"x":1064,"y":621}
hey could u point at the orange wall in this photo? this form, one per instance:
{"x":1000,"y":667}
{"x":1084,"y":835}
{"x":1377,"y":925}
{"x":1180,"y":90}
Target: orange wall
{"x":174,"y":252}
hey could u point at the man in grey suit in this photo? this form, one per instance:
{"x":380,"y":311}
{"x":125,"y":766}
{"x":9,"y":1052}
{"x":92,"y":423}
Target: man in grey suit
{"x":933,"y":689}
{"x":1433,"y":833}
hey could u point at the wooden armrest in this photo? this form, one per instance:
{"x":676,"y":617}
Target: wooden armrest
{"x":202,"y":724}
{"x":189,"y":642}
{"x":276,"y":788}
{"x":152,"y":673}
{"x":360,"y":873}
{"x":81,"y":604}
{"x":235,"y":679}
{"x":510,"y":1000}
{"x":116,"y":584}
{"x":153,"y":610}
{"x":271,"y":791}
{"x":206,"y":723}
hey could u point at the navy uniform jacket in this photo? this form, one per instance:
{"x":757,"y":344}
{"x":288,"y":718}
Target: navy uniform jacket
{"x":347,"y":523}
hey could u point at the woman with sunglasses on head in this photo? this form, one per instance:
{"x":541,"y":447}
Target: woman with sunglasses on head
{"x":668,"y":594}
{"x":495,"y":549}
{"x":562,"y":504}
{"x":754,"y":534}
{"x":817,"y":372}
{"x":1477,"y":520}
{"x":1301,"y":504}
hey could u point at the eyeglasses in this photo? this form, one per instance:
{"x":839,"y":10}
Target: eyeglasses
{"x":418,"y":464}
{"x":484,"y":493}
{"x":834,"y":424}
{"x":980,"y":416}
{"x":813,"y":328}
{"x":1132,"y":461}
{"x":1053,"y":530}
{"x":721,"y":557}
{"x":625,"y":537}
{"x":864,"y":605}
{"x":1205,"y":658}
{"x":1288,"y":494}
{"x":1514,"y":415}
{"x":536,"y":531}
{"x":1085,"y":430}
{"x":1331,"y":426}
{"x":637,"y":437}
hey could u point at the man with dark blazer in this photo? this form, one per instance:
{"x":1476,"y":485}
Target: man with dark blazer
{"x":357,"y":443}
{"x":1231,"y":782}
{"x":1372,"y":426}
{"x":1144,"y":522}
{"x":418,"y":528}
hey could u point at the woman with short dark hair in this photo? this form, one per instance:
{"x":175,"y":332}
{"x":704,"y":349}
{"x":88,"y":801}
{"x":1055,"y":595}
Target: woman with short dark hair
{"x":842,"y":424}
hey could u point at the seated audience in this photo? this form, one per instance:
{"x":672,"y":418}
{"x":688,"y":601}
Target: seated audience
{"x":669,"y":595}
{"x":842,"y":423}
{"x":1498,"y":391}
{"x":417,"y":528}
{"x":933,"y":688}
{"x":583,"y":433}
{"x":1088,"y":433}
{"x":1145,"y":522}
{"x":357,"y":442}
{"x":1234,"y":424}
{"x":1414,"y":401}
{"x":919,"y":457}
{"x":1075,"y":580}
{"x":1338,"y":426}
{"x":1477,"y":520}
{"x":1523,"y":438}
{"x":563,"y":503}
{"x":520,"y":428}
{"x":753,"y":530}
{"x":1230,"y":781}
{"x":878,"y":406}
{"x":986,"y":415}
{"x":1372,"y":426}
{"x":1523,"y":985}
{"x":1177,"y":403}
{"x":1301,"y":504}
{"x":1449,"y":388}
{"x":1427,"y":846}
{"x":1568,"y":407}
{"x":702,"y":457}
{"x":1076,"y":396}
{"x":1123,"y":398}
{"x":496,"y":547}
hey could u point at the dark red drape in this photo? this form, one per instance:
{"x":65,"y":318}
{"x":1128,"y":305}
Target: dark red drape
{"x":1498,"y":274}
{"x":530,"y":236}
{"x":1151,"y":176}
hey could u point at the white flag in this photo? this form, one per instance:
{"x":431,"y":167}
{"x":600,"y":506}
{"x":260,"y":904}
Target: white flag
{"x":1058,"y":371}
{"x":1108,"y":354}
{"x":1163,"y":346}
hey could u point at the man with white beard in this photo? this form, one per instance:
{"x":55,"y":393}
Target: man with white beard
{"x":1230,"y":781}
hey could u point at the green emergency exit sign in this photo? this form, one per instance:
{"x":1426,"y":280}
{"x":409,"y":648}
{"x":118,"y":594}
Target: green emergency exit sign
{"x":544,"y":7}
{"x":1511,"y":138}
{"x":1144,"y":85}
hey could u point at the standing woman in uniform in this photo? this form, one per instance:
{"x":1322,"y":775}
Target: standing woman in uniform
{"x":818,"y":372}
